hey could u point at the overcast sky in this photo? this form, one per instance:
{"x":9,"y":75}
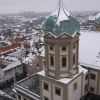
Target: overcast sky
{"x":11,"y":6}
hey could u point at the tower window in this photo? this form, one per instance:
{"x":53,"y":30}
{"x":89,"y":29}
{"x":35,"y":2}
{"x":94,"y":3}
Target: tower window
{"x":63,"y":48}
{"x":63,"y":61}
{"x":44,"y":62}
{"x":74,"y":59}
{"x":57,"y":91}
{"x":52,"y":60}
{"x":19,"y":97}
{"x":92,"y":76}
{"x":86,"y":88}
{"x":46,"y":86}
{"x":86,"y":77}
{"x":45,"y":98}
{"x":74,"y":46}
{"x":24,"y":98}
{"x":51,"y":48}
{"x":91,"y":89}
{"x":75,"y":86}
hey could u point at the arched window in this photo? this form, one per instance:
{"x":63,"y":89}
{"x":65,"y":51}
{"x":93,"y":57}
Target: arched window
{"x":63,"y":61}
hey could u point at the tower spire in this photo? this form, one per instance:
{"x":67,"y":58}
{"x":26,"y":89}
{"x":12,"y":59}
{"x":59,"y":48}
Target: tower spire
{"x":60,"y":6}
{"x":63,"y":14}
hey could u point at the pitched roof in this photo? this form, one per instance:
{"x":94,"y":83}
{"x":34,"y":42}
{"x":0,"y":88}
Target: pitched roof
{"x":9,"y":48}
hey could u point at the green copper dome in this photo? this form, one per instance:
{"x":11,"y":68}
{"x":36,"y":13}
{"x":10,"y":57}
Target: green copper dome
{"x":61,"y":22}
{"x":97,"y":20}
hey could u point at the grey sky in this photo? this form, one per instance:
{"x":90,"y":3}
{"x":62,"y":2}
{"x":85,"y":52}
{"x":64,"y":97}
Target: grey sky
{"x":9,"y":6}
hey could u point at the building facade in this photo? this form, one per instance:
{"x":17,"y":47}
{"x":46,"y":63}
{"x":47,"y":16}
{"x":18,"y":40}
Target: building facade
{"x":63,"y":78}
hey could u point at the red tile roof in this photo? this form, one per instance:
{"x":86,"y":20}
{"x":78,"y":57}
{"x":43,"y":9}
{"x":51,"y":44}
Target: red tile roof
{"x":9,"y":48}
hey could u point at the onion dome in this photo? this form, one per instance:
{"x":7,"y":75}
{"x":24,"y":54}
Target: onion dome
{"x":97,"y":20}
{"x":61,"y":22}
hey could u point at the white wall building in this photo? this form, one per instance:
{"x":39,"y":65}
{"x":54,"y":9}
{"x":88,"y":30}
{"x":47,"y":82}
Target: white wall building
{"x":10,"y":71}
{"x":90,"y":59}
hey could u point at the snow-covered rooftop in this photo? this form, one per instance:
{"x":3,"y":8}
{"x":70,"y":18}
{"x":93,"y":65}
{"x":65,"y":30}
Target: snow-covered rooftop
{"x":92,"y":18}
{"x":9,"y":58}
{"x":98,"y":16}
{"x":12,"y":65}
{"x":30,"y":58}
{"x":89,"y":49}
{"x":66,"y":80}
{"x":42,"y":50}
{"x":62,"y":12}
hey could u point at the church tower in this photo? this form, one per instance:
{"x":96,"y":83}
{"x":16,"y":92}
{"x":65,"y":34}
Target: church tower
{"x":62,"y":77}
{"x":61,"y":43}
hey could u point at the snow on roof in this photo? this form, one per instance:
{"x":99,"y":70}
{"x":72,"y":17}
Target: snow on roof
{"x":66,"y":80}
{"x":81,"y":69}
{"x":12,"y":65}
{"x":60,"y":12}
{"x":9,"y":48}
{"x":41,"y":73}
{"x":63,"y":14}
{"x":89,"y":49}
{"x":2,"y":37}
{"x":92,"y":18}
{"x":11,"y":58}
{"x":29,"y":59}
{"x":62,"y":80}
{"x":42,"y":50}
{"x":98,"y":16}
